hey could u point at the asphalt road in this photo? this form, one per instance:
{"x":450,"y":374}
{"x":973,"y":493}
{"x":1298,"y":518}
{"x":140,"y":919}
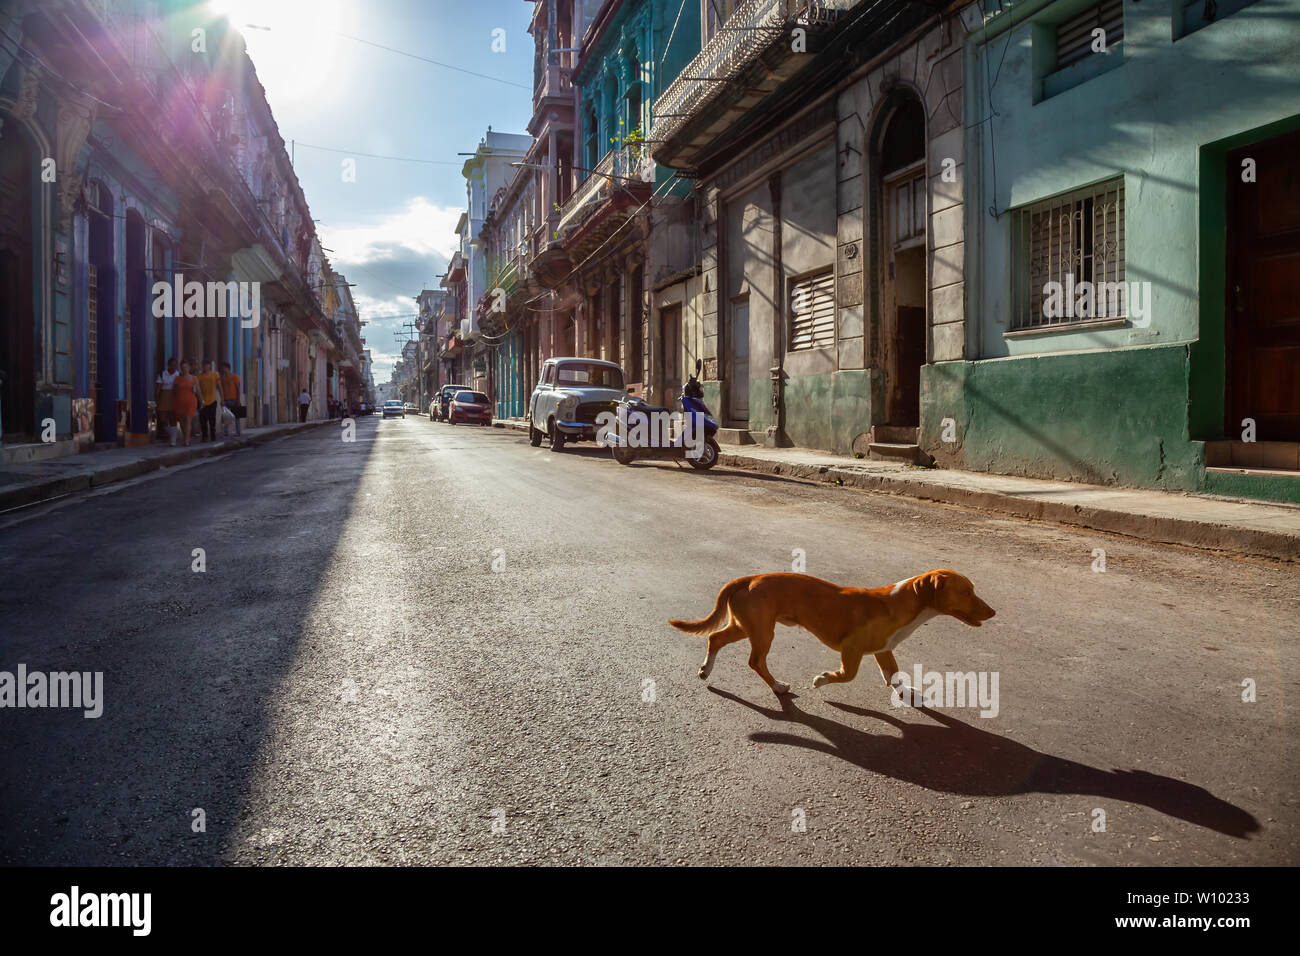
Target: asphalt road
{"x":436,"y":645}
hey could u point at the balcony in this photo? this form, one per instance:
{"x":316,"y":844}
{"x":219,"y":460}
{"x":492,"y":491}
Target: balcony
{"x":621,"y":181}
{"x":455,"y":269}
{"x":752,"y":29}
{"x":556,"y":80}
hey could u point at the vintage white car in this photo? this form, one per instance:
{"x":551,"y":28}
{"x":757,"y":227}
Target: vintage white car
{"x":570,"y":394}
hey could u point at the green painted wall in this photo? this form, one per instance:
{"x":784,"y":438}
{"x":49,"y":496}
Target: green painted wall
{"x":1104,"y":417}
{"x":825,"y":411}
{"x":1145,"y":121}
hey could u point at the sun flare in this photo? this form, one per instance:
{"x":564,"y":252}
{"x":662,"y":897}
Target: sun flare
{"x":291,"y":41}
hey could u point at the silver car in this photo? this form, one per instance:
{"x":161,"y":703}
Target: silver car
{"x":570,"y":394}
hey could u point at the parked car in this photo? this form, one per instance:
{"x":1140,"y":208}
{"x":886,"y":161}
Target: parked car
{"x":570,"y":393}
{"x":394,"y":408}
{"x":444,"y":398}
{"x":471,"y":408}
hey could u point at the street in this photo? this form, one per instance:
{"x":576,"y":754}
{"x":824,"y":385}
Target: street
{"x":436,"y":644}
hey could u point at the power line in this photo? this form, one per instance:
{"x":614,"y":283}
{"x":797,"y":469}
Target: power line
{"x":425,"y":59}
{"x":399,"y":159}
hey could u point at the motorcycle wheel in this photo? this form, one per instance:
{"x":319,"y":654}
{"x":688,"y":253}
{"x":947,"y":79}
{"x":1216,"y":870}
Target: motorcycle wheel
{"x":708,"y":456}
{"x":622,"y":455}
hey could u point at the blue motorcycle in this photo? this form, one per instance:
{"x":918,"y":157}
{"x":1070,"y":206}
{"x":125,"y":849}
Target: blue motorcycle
{"x":641,"y":430}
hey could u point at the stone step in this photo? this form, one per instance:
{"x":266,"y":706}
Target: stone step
{"x":897,"y":451}
{"x":1272,"y":455}
{"x":735,"y":436}
{"x":895,"y":434}
{"x":36,"y":451}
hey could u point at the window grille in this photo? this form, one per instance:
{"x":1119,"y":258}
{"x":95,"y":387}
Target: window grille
{"x":92,"y":324}
{"x":1067,"y":240}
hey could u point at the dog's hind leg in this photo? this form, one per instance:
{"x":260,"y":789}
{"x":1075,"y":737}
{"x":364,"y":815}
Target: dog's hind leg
{"x":760,"y":634}
{"x":849,"y":661}
{"x":717,"y":641}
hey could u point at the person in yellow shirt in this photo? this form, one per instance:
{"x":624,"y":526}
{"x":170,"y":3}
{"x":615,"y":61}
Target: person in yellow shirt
{"x":209,"y":394}
{"x":230,"y":385}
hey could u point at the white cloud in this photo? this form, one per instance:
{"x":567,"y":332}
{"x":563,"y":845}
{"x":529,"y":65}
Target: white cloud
{"x":421,"y":227}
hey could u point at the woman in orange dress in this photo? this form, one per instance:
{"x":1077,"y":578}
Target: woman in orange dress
{"x":185,"y":400}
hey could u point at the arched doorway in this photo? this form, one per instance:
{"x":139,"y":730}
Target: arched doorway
{"x":898,"y":160}
{"x":18,"y":319}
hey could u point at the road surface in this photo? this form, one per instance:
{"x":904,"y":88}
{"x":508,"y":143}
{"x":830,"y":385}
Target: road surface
{"x":435,"y":645}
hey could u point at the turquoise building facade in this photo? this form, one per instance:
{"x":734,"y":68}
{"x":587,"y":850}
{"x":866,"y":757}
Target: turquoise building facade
{"x":1151,"y":144}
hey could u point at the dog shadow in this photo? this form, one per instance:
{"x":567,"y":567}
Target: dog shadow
{"x":950,"y":756}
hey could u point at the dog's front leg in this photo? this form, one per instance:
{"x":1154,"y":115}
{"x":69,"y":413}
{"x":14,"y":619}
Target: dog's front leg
{"x":896,"y":679}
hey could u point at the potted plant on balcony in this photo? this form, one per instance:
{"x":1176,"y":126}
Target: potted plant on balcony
{"x":635,"y":143}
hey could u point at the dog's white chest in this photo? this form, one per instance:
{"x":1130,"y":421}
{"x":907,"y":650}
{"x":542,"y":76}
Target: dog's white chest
{"x":906,"y":630}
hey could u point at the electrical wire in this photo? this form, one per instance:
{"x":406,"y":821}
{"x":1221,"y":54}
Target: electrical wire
{"x":425,"y":59}
{"x":399,"y":159}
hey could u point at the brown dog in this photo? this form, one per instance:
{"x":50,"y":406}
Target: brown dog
{"x":853,"y":621}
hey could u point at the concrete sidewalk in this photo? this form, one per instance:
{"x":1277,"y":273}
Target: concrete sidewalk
{"x":1231,"y":525}
{"x":37,"y":481}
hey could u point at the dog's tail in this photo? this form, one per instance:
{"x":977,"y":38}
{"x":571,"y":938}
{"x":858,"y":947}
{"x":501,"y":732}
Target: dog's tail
{"x":720,"y":611}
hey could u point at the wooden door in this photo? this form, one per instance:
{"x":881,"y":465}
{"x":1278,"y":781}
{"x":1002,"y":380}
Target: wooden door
{"x":738,"y":391}
{"x":1263,"y":291}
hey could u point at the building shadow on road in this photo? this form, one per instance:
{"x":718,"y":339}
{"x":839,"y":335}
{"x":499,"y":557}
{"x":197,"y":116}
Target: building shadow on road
{"x":950,"y":756}
{"x":193,"y":664}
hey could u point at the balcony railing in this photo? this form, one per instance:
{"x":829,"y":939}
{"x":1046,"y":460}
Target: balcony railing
{"x":751,"y":28}
{"x":556,"y":79}
{"x":617,"y":167}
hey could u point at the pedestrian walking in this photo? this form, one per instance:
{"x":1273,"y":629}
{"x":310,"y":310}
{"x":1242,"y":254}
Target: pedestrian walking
{"x":230,"y":385}
{"x":209,"y":391}
{"x":163,"y":398}
{"x":304,"y":403}
{"x":185,"y":399}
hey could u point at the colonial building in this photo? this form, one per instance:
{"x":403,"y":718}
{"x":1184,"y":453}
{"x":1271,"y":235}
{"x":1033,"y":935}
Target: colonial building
{"x":486,"y":172}
{"x":830,"y":242}
{"x":136,"y":145}
{"x":629,"y":53}
{"x":453,"y":357}
{"x":1147,"y":151}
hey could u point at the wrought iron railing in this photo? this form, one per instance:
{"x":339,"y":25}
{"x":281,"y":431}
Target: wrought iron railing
{"x":617,"y":167}
{"x":751,"y":28}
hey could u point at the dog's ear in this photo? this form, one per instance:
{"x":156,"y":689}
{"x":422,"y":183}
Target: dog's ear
{"x":925,"y":585}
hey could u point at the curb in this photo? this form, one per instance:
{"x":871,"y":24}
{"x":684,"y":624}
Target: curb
{"x":20,"y":496}
{"x":1163,"y":530}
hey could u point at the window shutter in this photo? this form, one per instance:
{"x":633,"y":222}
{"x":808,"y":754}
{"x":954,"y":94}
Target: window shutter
{"x":812,"y":311}
{"x":1074,"y":36}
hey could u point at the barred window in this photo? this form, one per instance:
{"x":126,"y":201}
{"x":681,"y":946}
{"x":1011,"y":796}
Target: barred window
{"x":1074,"y":37}
{"x":812,"y":310}
{"x":1062,"y":243}
{"x":92,"y":323}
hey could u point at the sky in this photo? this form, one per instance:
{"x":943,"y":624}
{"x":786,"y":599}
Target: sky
{"x":391,"y":231}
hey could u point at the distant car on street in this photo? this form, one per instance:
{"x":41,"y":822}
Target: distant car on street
{"x":393,"y":408}
{"x":444,"y":398}
{"x":570,"y":394}
{"x":409,"y":408}
{"x":470,"y":408}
